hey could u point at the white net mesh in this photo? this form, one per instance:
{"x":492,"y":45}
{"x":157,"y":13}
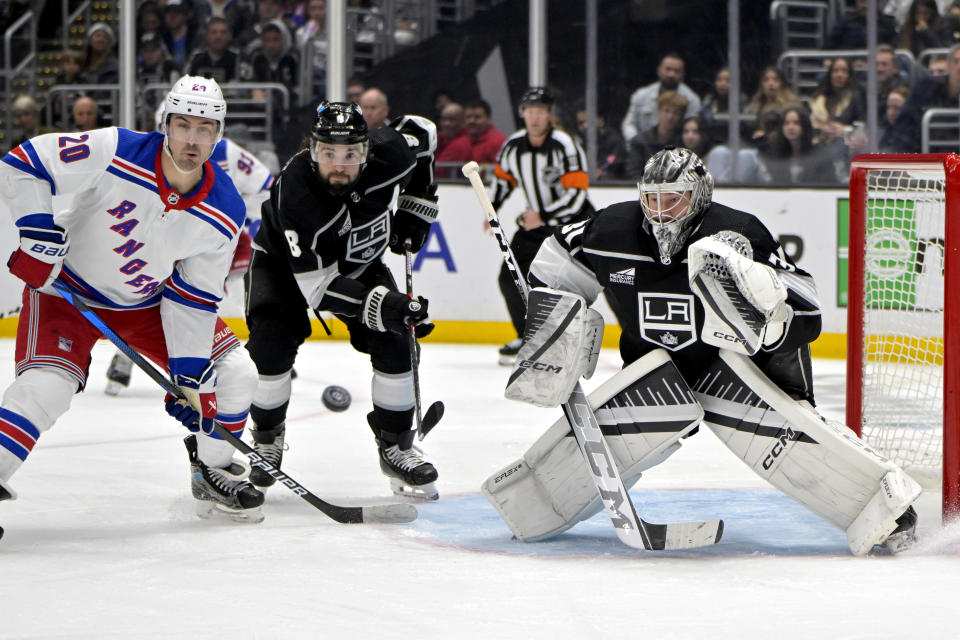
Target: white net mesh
{"x":902,"y":389}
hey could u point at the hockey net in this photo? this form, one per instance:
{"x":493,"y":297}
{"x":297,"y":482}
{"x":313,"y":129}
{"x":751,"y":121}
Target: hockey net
{"x":902,"y":330}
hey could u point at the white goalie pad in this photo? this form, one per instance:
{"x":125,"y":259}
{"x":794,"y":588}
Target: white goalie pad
{"x":743,"y":300}
{"x":644,"y":411}
{"x":561,"y":344}
{"x":818,"y":463}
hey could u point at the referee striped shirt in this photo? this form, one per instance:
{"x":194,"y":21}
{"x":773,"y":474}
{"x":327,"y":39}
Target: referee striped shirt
{"x":553,"y":176}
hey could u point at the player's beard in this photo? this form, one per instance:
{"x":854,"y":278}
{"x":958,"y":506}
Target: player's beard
{"x":344,"y":182}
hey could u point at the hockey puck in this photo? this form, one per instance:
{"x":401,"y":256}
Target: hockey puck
{"x":336,"y":398}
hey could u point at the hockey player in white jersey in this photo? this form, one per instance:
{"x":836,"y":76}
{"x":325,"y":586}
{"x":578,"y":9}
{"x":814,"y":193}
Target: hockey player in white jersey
{"x":148,"y":242}
{"x":716,"y":322}
{"x":252,"y":179}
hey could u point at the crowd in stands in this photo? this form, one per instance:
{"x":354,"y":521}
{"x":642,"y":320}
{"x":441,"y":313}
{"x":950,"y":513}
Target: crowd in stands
{"x":788,"y":137}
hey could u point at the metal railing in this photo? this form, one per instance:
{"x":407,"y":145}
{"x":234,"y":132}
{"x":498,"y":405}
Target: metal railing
{"x":804,"y":68}
{"x":107,"y":97}
{"x":243,"y":107}
{"x":940,"y":131}
{"x":11,"y":71}
{"x":799,"y":23}
{"x":70,"y":18}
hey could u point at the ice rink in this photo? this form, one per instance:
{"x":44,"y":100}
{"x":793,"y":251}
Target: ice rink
{"x":104,"y":543}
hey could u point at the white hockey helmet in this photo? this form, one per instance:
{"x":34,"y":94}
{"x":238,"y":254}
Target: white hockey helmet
{"x":196,"y":96}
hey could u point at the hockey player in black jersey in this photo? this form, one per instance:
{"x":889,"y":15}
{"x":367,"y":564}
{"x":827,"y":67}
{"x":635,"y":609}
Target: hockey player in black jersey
{"x":716,"y":323}
{"x":325,"y":227}
{"x":551,"y":169}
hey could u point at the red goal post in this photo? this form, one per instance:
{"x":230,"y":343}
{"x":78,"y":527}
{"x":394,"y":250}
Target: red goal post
{"x":903,"y":332}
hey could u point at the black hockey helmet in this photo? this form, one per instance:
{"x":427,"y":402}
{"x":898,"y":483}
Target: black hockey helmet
{"x":536,"y":96}
{"x":339,"y":123}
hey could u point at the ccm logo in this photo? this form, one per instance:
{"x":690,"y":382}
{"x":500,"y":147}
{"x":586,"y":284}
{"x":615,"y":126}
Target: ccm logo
{"x":540,"y":366}
{"x":727,"y":337}
{"x":778,"y":448}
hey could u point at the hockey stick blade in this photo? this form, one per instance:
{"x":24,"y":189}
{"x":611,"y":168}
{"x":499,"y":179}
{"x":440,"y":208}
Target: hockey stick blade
{"x":380,"y":513}
{"x":430,"y":419}
{"x":684,"y":535}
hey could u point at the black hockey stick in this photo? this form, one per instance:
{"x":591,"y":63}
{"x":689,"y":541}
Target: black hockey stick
{"x":632,"y":530}
{"x":386,"y":513}
{"x":434,"y":411}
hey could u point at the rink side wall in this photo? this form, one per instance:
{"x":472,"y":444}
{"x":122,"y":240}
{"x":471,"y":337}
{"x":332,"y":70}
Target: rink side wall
{"x":457,"y":269}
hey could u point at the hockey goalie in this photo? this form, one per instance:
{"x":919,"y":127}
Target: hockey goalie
{"x":717,"y":326}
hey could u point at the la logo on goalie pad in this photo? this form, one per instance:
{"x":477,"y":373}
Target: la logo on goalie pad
{"x":667,"y":320}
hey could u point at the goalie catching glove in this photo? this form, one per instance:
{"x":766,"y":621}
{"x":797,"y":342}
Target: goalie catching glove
{"x":561,"y":343}
{"x":199,"y":410}
{"x":744,"y":301}
{"x":385,"y":310}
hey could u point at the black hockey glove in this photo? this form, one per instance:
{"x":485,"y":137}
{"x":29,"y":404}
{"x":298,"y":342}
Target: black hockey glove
{"x":385,"y":310}
{"x":412,"y":222}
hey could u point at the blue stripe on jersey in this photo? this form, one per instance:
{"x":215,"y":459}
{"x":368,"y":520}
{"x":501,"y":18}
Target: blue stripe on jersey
{"x":139,"y":148}
{"x":132,"y":178}
{"x":212,"y":222}
{"x":20,"y":165}
{"x":30,"y":151}
{"x":267,"y":183}
{"x":37,"y":221}
{"x":189,"y":288}
{"x":84,"y":290}
{"x":173,"y":296}
{"x":20,"y":421}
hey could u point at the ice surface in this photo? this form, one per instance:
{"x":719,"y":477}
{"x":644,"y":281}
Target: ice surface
{"x":103,"y":542}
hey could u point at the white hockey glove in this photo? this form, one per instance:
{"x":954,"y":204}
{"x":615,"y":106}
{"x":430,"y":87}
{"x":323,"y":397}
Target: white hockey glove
{"x":561,"y":343}
{"x":744,"y":301}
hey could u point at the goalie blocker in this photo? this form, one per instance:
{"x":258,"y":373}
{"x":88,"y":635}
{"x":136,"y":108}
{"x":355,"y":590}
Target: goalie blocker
{"x":647,"y":408}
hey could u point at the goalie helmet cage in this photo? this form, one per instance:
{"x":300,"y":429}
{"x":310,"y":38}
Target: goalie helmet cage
{"x":903,"y":323}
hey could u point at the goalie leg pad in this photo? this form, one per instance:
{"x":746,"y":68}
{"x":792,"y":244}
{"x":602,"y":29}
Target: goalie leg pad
{"x":644,"y":411}
{"x":561,"y":343}
{"x":818,"y":463}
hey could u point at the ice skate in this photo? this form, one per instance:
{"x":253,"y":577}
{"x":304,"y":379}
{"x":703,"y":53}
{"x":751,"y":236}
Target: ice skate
{"x":118,"y":373}
{"x":410,"y":474}
{"x":6,"y":493}
{"x":904,"y":536}
{"x":223,"y":491}
{"x":508,"y":352}
{"x":269,"y":445}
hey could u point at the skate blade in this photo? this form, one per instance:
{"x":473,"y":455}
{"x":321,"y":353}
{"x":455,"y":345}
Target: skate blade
{"x":207,"y":509}
{"x":114,"y":387}
{"x":424,"y":492}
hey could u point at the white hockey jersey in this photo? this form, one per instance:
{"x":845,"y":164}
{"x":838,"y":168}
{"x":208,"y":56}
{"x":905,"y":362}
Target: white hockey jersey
{"x":251,"y":177}
{"x":134,"y":242}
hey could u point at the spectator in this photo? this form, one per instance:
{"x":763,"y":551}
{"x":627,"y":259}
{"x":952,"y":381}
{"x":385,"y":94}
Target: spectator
{"x":71,"y":62}
{"x":611,"y":157}
{"x":235,"y":12}
{"x":923,"y":28}
{"x":316,"y":25}
{"x":450,"y":126}
{"x":851,"y":31}
{"x":795,"y":158}
{"x":150,"y":19}
{"x":931,"y":91}
{"x":772,"y":94}
{"x":216,"y":60}
{"x":644,"y":105}
{"x":671,"y":107}
{"x":694,"y":136}
{"x":180,"y":35}
{"x":275,"y":61}
{"x":483,"y":140}
{"x":26,"y":115}
{"x":894,"y":105}
{"x":718,"y":100}
{"x":766,"y":137}
{"x":101,"y":65}
{"x":889,"y":75}
{"x":838,"y":101}
{"x":295,"y":13}
{"x":86,"y":114}
{"x":937,"y":65}
{"x":375,"y":107}
{"x":267,"y":10}
{"x":355,"y":89}
{"x":441,"y":98}
{"x":155,"y":65}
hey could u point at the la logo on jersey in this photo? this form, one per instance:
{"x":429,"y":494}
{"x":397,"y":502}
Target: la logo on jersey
{"x":667,"y":319}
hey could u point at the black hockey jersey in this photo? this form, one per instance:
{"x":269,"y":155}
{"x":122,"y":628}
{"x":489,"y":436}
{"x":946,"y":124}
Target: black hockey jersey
{"x":329,"y":240}
{"x":655,"y":301}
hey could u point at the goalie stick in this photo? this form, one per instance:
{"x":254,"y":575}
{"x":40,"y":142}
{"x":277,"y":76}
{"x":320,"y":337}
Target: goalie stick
{"x":434,"y":411}
{"x":387,"y":513}
{"x":632,"y":530}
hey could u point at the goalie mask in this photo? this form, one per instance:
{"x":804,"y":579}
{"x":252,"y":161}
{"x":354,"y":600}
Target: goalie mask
{"x":675,"y":190}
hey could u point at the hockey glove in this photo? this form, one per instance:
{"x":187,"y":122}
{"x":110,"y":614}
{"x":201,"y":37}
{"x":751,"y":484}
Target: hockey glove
{"x":40,"y":256}
{"x":412,"y":222}
{"x":385,"y":310}
{"x":199,"y":410}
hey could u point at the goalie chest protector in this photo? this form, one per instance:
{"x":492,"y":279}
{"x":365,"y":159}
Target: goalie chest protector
{"x":657,"y":307}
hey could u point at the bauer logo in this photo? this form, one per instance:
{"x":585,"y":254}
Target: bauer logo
{"x":667,"y":319}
